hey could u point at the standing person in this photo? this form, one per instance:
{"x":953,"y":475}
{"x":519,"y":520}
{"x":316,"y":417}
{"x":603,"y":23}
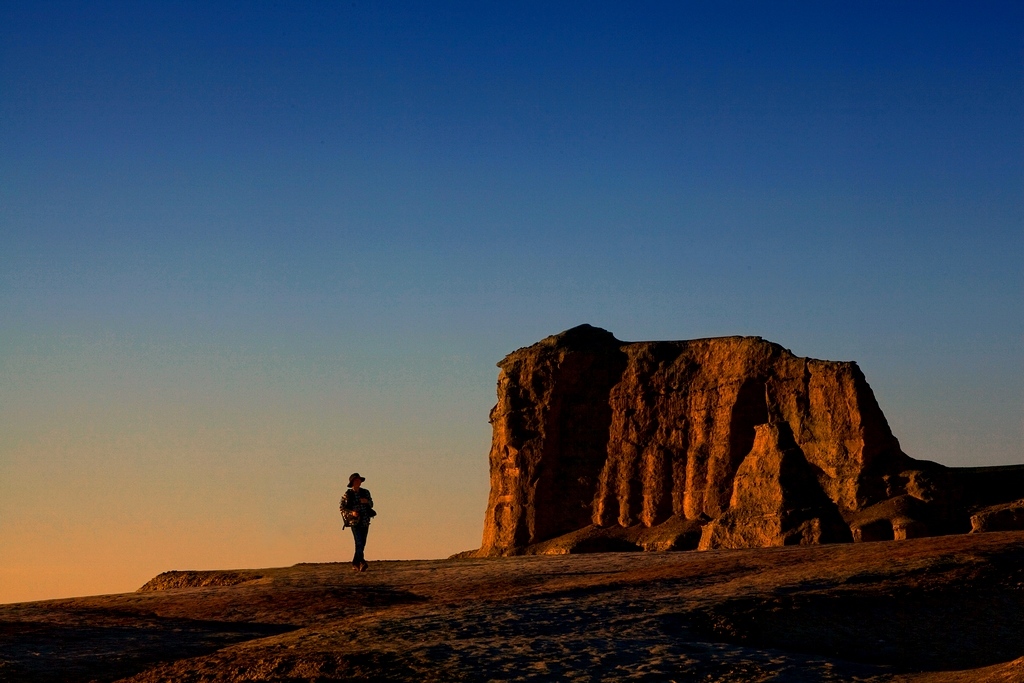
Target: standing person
{"x":357,"y":509}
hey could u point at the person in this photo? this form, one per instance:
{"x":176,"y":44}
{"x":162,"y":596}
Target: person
{"x":357,"y":509}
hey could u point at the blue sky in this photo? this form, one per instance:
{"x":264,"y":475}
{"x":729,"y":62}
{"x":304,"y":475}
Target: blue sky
{"x":249,"y":248}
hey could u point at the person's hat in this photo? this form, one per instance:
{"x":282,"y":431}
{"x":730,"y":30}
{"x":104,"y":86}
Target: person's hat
{"x":355,"y":476}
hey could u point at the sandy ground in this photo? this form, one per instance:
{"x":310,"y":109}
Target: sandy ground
{"x":938,"y":610}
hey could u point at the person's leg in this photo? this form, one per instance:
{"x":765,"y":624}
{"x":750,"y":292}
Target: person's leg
{"x":359,"y":535}
{"x":363,"y":566}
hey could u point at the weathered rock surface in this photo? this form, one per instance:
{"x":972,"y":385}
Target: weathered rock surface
{"x":593,"y":436}
{"x":1006,"y":517}
{"x":191,"y":579}
{"x":931,"y":610}
{"x":776,"y":499}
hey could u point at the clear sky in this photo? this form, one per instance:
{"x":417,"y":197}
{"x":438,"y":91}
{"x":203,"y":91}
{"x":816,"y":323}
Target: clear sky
{"x":249,"y":248}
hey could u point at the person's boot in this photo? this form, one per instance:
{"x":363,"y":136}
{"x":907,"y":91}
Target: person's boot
{"x":364,"y":566}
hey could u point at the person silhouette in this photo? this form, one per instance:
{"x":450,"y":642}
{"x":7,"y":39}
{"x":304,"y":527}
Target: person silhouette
{"x":357,"y":510}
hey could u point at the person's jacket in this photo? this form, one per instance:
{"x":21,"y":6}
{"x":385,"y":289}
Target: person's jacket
{"x":350,"y":502}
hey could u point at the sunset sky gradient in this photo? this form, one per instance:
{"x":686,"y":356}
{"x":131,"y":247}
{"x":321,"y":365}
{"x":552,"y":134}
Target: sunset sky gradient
{"x":249,"y":248}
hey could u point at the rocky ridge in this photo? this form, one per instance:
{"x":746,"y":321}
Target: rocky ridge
{"x":600,"y":444}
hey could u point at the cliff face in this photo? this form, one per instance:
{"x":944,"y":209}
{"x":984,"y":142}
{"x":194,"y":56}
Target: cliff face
{"x":592,"y":432}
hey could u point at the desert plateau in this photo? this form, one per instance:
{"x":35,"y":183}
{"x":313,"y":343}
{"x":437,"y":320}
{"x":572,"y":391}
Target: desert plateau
{"x":946,"y":609}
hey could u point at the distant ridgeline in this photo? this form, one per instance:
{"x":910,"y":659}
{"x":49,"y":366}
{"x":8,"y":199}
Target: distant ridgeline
{"x":733,"y":442}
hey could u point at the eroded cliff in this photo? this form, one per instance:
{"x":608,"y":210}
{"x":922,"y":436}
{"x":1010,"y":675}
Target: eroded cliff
{"x":736,"y":436}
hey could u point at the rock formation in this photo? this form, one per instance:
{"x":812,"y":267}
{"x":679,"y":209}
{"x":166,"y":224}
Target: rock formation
{"x":1005,"y":517}
{"x":603,"y":444}
{"x":776,"y":499}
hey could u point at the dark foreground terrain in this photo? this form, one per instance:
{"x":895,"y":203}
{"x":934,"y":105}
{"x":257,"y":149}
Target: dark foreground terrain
{"x":926,"y":610}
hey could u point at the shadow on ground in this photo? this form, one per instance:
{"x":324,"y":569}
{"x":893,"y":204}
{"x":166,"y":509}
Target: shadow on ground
{"x":934,"y":631}
{"x":42,"y":653}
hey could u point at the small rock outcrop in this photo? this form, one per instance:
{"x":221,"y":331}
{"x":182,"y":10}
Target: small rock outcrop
{"x":601,"y":444}
{"x":1005,"y":517}
{"x":197,"y":579}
